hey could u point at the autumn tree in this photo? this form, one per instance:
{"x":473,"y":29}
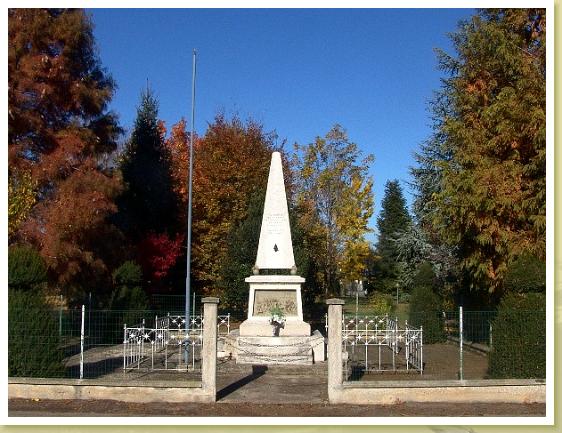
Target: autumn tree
{"x":177,"y":147}
{"x":59,"y":129}
{"x":393,"y":220}
{"x":231,"y":163}
{"x":481,"y":176}
{"x":334,"y":193}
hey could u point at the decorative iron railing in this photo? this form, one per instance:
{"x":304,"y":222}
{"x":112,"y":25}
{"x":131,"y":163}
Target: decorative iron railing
{"x":167,"y":346}
{"x":360,"y":334}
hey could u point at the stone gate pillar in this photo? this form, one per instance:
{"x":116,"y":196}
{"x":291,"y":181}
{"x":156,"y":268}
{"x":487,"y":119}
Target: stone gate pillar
{"x":335,"y":373}
{"x":209,"y":352}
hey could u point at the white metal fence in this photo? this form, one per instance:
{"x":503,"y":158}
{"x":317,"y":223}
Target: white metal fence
{"x":376,"y":343}
{"x":167,"y":346}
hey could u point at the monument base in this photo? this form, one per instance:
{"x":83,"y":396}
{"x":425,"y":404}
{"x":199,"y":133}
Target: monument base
{"x":261,"y":327}
{"x":275,"y":350}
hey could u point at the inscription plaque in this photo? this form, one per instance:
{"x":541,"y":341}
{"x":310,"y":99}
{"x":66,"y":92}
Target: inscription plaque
{"x":265,"y":300}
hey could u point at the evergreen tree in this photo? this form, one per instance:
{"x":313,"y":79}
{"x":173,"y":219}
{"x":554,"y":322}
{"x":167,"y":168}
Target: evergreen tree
{"x":242,"y":250}
{"x":26,"y":268}
{"x":393,"y":220}
{"x":148,"y":205}
{"x":481,"y":177}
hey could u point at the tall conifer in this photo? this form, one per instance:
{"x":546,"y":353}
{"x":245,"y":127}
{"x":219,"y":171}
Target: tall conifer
{"x":481,"y":177}
{"x":394,"y":219}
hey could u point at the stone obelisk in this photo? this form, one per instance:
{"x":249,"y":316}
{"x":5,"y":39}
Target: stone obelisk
{"x":275,"y":248}
{"x":277,"y":288}
{"x":275,"y":252}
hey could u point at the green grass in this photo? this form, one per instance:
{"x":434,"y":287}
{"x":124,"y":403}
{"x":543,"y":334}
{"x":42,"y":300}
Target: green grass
{"x":363,"y":309}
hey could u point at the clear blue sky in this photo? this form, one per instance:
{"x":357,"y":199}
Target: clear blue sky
{"x":297,"y":71}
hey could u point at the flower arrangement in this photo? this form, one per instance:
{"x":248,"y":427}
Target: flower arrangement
{"x":277,"y":319}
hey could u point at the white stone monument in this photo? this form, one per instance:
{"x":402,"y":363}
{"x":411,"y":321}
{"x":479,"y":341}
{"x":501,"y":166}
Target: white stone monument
{"x":257,"y":340}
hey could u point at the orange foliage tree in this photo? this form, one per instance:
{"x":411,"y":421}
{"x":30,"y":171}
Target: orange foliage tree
{"x":59,"y":132}
{"x":231,"y":162}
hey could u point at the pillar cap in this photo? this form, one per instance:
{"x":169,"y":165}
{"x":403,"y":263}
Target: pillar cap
{"x":335,"y":301}
{"x":210,"y":300}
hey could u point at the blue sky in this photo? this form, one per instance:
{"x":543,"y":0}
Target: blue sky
{"x":297,"y":71}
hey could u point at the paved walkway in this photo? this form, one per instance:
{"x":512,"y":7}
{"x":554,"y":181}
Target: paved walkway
{"x":272,"y":384}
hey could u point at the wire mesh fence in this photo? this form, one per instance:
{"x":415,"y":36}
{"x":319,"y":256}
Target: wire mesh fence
{"x":109,"y":344}
{"x":452,"y":344}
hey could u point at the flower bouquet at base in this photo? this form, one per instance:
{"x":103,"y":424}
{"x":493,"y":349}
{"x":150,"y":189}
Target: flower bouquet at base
{"x":277,"y":319}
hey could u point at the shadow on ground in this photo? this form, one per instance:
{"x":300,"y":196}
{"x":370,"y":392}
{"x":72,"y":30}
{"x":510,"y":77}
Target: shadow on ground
{"x":257,"y":371}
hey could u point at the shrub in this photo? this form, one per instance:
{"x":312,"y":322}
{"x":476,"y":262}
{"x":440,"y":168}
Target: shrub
{"x":526,"y":274}
{"x":404,"y":297}
{"x":34,"y":348}
{"x":128,"y":274}
{"x":26,"y":268}
{"x":519,"y":337}
{"x":380,"y":303}
{"x":425,"y":306}
{"x":128,"y":293}
{"x":425,"y":310}
{"x":128,"y":297}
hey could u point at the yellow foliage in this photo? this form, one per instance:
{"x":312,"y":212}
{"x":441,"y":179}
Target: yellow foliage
{"x":21,"y":199}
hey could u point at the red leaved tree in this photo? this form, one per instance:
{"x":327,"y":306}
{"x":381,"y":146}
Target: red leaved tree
{"x":60,"y":132}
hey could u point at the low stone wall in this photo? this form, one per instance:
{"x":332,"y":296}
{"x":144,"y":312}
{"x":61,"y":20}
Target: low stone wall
{"x":481,"y":391}
{"x":93,"y":389}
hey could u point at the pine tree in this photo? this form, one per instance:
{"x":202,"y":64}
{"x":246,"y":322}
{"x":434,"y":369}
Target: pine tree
{"x":393,"y":220}
{"x":149,"y":204}
{"x":481,"y":176}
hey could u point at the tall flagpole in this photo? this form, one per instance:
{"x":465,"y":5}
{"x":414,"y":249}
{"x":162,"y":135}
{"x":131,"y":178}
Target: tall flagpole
{"x":190,"y":181}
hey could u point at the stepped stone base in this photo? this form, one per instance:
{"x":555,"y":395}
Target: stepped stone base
{"x":275,"y":350}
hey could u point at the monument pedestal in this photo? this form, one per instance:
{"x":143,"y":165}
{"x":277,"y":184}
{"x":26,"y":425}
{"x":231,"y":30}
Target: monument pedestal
{"x":254,"y":342}
{"x":268,"y":291}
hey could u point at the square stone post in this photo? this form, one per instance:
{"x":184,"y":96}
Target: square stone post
{"x":335,"y":373}
{"x":209,"y":352}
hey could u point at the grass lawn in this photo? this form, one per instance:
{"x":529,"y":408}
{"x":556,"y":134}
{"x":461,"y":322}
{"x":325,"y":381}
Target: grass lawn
{"x":363,"y":309}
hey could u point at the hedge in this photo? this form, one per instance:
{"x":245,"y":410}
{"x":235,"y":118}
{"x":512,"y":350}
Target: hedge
{"x":519,"y":338}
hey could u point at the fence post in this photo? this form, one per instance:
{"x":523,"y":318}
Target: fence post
{"x":460,"y":342}
{"x":82,"y":344}
{"x":421,"y":351}
{"x":335,"y":373}
{"x":209,"y":352}
{"x":491,"y":343}
{"x":124,"y":347}
{"x":60,"y":316}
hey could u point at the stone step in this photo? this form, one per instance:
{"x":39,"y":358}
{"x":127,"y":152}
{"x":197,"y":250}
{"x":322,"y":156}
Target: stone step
{"x":287,"y":370}
{"x":272,"y":359}
{"x":274,"y":350}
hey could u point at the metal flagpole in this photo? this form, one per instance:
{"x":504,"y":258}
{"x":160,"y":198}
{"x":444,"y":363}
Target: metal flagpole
{"x":190,"y":181}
